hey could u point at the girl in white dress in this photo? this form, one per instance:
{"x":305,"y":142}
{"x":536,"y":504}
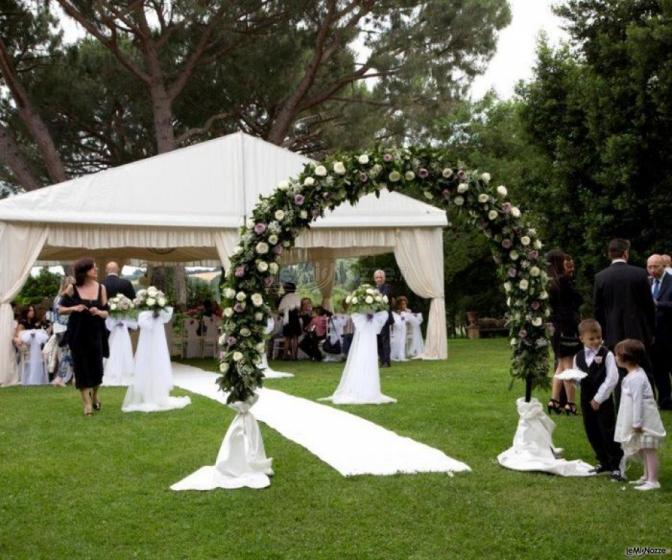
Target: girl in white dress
{"x":639,"y":428}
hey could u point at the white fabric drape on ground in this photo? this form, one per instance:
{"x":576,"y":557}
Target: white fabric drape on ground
{"x":241,"y":461}
{"x":419,"y":254}
{"x":20,"y":245}
{"x":325,"y":278}
{"x":360,"y":382}
{"x":153,"y":378}
{"x":350,"y":444}
{"x":119,"y":366}
{"x":34,"y":370}
{"x":533,"y":448}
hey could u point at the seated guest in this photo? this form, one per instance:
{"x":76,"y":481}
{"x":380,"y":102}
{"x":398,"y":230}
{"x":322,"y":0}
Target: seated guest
{"x":348,"y":331}
{"x":28,"y":320}
{"x":306,"y":313}
{"x":314,"y":334}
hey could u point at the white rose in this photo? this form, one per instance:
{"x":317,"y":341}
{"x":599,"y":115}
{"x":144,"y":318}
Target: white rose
{"x":543,"y":295}
{"x":508,"y":302}
{"x":223,"y":367}
{"x":462,"y":188}
{"x":222,"y":339}
{"x":514,"y":342}
{"x":538,"y":244}
{"x":113,"y":306}
{"x":428,"y":195}
{"x":162,"y":302}
{"x":228,"y":312}
{"x":534,"y":271}
{"x":537,"y":321}
{"x":303,"y":214}
{"x":379,"y":299}
{"x":485,"y":177}
{"x":513,"y":255}
{"x":257,"y":299}
{"x":409,"y":175}
{"x":507,"y":286}
{"x":525,"y":240}
{"x":339,"y":168}
{"x":283,"y":185}
{"x":447,"y":172}
{"x":321,"y":171}
{"x":354,"y":300}
{"x":363,"y":159}
{"x":501,"y":190}
{"x":273,"y":239}
{"x":249,"y":223}
{"x":151,"y":301}
{"x":371,"y":291}
{"x":245,"y":331}
{"x":273,"y":267}
{"x":238,"y":249}
{"x":237,"y":356}
{"x":261,"y":347}
{"x":152,"y":291}
{"x":492,"y":215}
{"x":483,"y":198}
{"x":458,"y":200}
{"x":262,"y":266}
{"x":229,"y":293}
{"x":261,"y":248}
{"x":279,"y":215}
{"x":385,"y":299}
{"x":348,"y":299}
{"x":394,"y":176}
{"x":524,"y":284}
{"x":309,"y":181}
{"x":368,"y":299}
{"x":240,"y":296}
{"x":515,"y":212}
{"x":258,"y":316}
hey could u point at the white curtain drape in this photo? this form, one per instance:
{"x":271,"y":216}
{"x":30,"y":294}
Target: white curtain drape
{"x":20,"y":245}
{"x":225,"y":243}
{"x":419,"y":254}
{"x":325,"y":277}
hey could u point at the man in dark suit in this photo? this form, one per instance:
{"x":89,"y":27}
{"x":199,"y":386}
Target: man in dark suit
{"x":623,"y":303}
{"x":384,"y":336}
{"x":661,"y":351}
{"x":115,"y":285}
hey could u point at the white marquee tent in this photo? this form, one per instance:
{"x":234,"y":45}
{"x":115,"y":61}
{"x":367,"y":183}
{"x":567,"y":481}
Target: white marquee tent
{"x":187,"y":205}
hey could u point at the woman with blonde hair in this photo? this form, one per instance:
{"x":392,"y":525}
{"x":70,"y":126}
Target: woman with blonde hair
{"x":63,"y":367}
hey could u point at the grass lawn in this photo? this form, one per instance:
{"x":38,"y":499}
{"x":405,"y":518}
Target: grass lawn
{"x":75,"y":487}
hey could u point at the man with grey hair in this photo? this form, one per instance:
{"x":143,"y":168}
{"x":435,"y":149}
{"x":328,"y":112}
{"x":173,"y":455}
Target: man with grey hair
{"x":384,"y":336}
{"x":661,"y":350}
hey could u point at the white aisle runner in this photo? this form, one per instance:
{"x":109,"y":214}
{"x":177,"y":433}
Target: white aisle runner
{"x":348,"y":443}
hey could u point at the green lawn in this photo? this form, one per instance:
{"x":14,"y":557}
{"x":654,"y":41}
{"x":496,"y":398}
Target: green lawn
{"x":75,"y":487}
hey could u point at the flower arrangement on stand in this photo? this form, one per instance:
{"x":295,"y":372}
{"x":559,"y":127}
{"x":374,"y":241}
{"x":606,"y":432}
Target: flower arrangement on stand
{"x":121,"y":307}
{"x":366,"y":299}
{"x":274,"y":224}
{"x":151,"y":299}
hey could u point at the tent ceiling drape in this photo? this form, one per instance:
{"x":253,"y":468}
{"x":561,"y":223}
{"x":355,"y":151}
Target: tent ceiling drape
{"x":188,"y":205}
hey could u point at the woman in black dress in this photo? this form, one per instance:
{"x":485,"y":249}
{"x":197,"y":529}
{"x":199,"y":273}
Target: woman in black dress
{"x":86,"y":334}
{"x":565,"y":302}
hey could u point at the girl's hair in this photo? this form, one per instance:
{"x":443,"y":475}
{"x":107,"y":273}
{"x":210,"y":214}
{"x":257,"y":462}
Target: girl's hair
{"x":556,"y":264}
{"x":399,"y":301}
{"x":26,"y":310}
{"x":631,"y":351}
{"x":66,"y":282}
{"x":81,"y":267}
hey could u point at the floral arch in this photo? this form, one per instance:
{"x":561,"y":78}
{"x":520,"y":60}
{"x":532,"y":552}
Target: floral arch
{"x":278,"y":219}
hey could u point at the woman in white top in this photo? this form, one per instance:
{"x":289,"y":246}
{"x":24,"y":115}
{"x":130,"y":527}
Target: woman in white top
{"x":639,"y":428}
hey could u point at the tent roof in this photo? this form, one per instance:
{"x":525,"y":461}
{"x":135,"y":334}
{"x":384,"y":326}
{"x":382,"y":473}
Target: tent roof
{"x":208,"y":185}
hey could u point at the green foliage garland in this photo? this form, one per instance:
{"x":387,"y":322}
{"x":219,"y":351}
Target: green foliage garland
{"x":278,"y":219}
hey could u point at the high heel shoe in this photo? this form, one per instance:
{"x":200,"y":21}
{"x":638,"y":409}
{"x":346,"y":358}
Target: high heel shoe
{"x":554,"y":406}
{"x":570,"y":409}
{"x":87,"y":410}
{"x":97,"y":405}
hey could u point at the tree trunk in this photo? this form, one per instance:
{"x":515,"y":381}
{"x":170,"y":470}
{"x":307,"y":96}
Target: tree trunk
{"x":11,"y":156}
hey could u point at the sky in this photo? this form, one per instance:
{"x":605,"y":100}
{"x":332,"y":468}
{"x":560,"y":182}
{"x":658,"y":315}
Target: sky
{"x":516,"y":45}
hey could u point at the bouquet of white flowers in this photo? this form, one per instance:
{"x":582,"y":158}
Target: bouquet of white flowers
{"x":366,"y":299}
{"x":121,"y":306}
{"x":151,"y":299}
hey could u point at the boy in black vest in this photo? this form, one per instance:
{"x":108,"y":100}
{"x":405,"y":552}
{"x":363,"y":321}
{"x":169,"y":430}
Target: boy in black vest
{"x":597,"y":405}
